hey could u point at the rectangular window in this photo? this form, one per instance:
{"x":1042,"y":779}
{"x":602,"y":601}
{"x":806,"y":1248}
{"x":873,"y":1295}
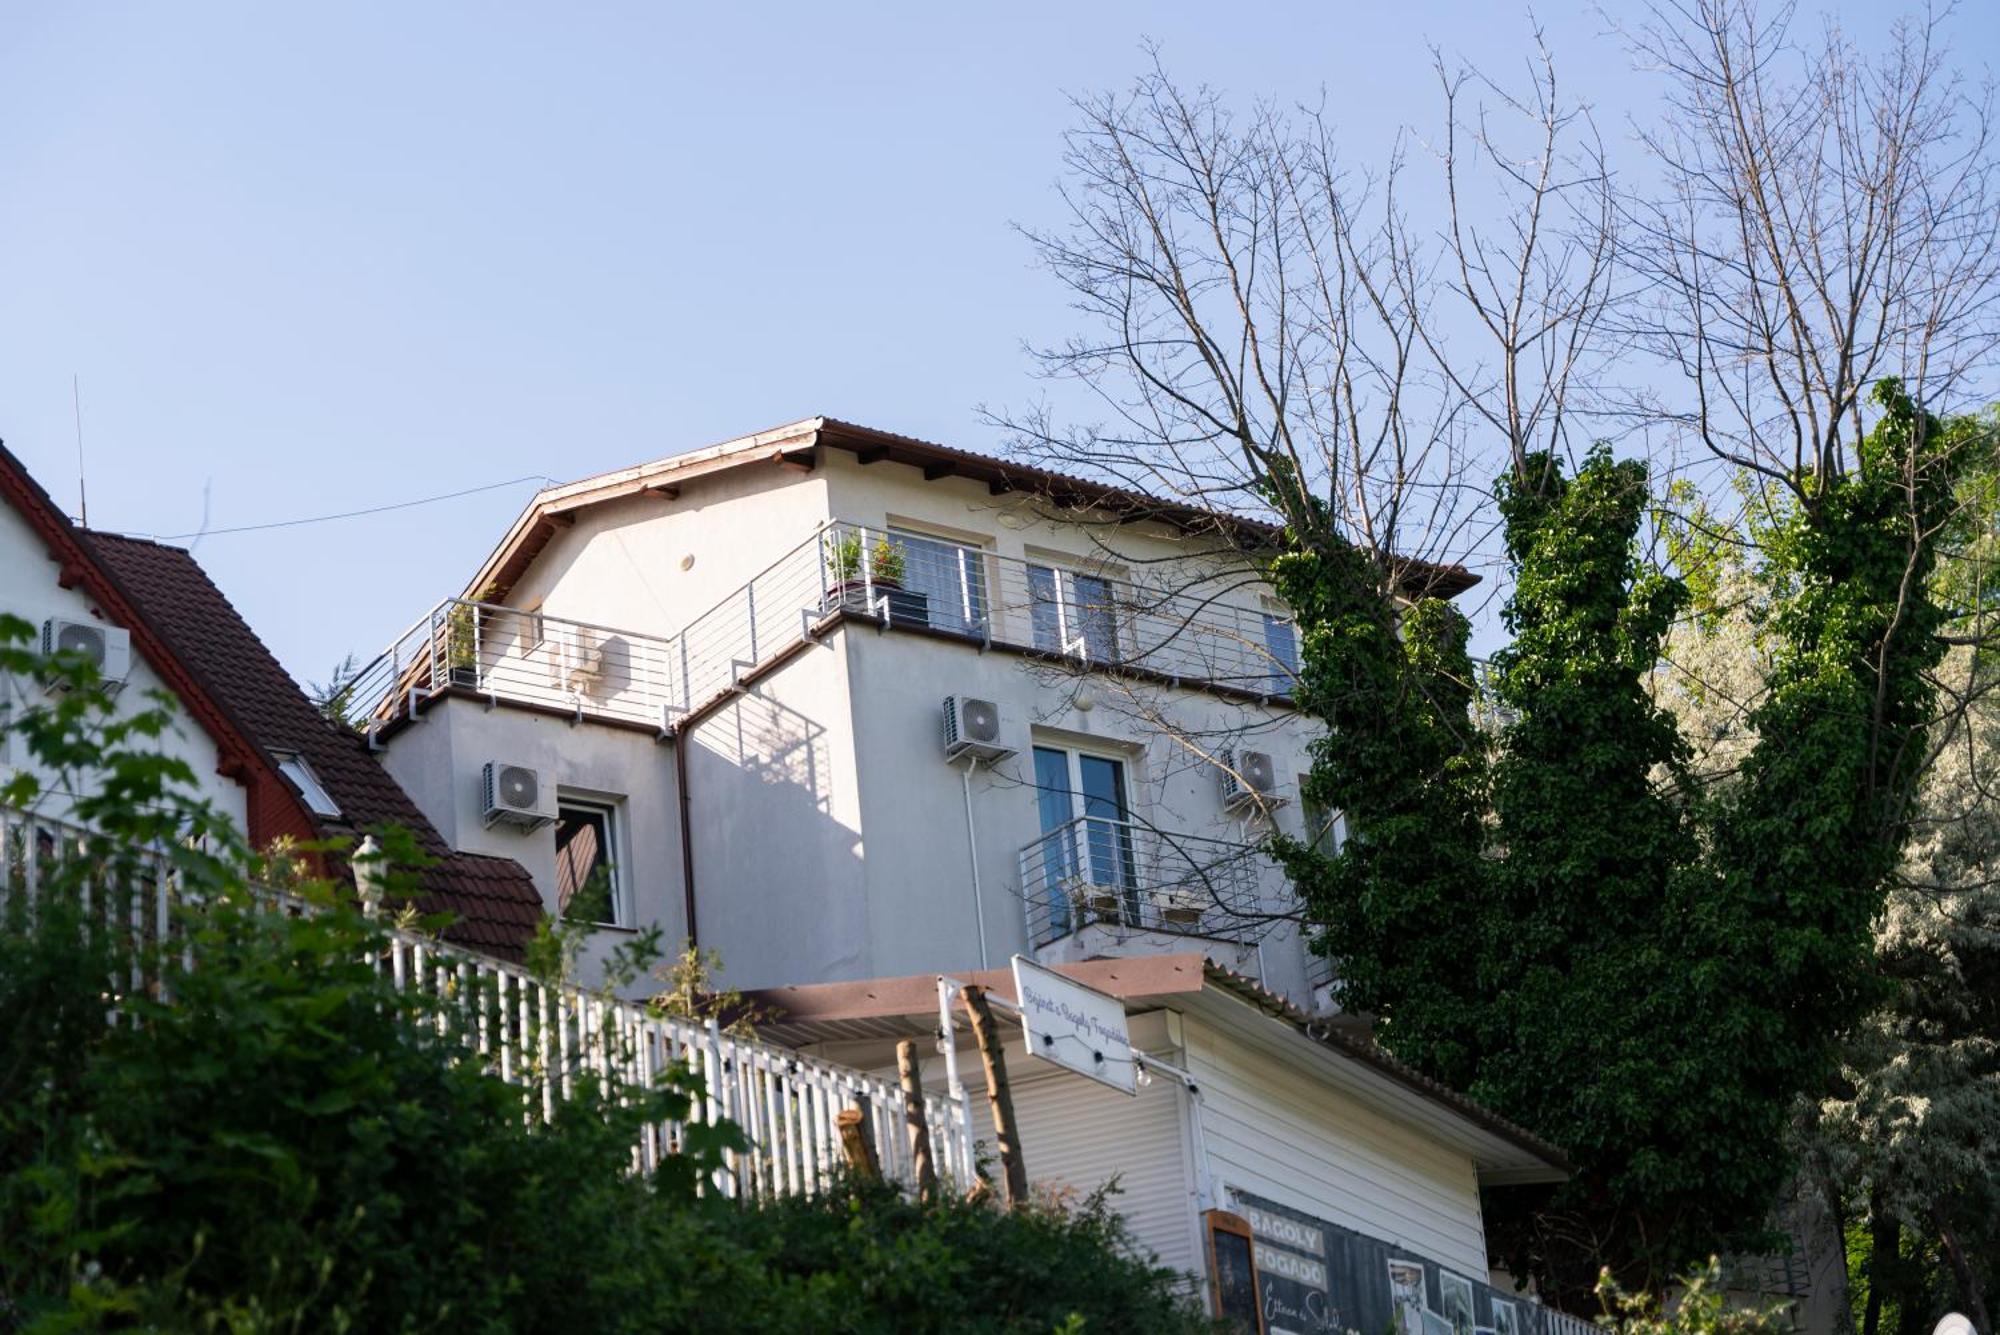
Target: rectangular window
{"x":1281,"y":642}
{"x":587,"y":881}
{"x":950,"y":576}
{"x":1325,"y":830}
{"x":1073,"y":614}
{"x":1086,"y":852}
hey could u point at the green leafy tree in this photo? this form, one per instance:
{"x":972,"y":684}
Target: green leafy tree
{"x":1646,"y":968}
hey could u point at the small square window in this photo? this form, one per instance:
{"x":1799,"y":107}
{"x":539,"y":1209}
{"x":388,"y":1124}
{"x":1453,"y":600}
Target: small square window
{"x":587,"y":888}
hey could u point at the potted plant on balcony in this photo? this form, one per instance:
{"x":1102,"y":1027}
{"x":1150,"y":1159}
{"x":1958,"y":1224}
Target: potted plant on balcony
{"x":1181,"y":906}
{"x":461,"y":639}
{"x":853,"y":577}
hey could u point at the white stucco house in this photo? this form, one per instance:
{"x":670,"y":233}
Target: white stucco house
{"x":919,"y":708}
{"x":857,"y":711}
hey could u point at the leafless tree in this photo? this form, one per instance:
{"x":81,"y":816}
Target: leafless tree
{"x":1825,"y":218}
{"x":1273,"y":336}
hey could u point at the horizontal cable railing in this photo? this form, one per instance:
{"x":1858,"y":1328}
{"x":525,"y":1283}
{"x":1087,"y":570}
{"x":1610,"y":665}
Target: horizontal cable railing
{"x":540,"y":1035}
{"x":1190,"y":626}
{"x":1075,"y":611}
{"x":521,"y":657}
{"x":1118,"y":873}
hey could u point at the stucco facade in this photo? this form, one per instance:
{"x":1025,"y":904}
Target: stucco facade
{"x":819,"y":799}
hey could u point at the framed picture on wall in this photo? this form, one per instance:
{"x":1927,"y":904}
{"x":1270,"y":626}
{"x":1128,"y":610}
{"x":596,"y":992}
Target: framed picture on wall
{"x":1455,"y":1296}
{"x":1406,"y":1296}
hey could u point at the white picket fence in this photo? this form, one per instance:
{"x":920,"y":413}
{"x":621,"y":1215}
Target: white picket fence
{"x":545,"y":1036}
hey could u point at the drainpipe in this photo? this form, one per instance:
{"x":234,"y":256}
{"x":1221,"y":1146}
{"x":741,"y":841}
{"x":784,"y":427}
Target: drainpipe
{"x":687,"y":830}
{"x":972,"y":846}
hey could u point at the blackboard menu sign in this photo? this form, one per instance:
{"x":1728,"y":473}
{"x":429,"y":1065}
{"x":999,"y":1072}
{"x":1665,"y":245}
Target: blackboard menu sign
{"x":1316,"y":1278}
{"x":1232,"y":1263}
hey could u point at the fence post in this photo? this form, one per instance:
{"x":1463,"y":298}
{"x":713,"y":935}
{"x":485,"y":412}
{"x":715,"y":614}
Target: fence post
{"x":991,"y":1053}
{"x":916,"y":1125}
{"x":857,"y":1142}
{"x":367,"y":864}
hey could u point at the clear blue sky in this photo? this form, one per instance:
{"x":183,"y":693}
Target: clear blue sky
{"x":309,"y":259}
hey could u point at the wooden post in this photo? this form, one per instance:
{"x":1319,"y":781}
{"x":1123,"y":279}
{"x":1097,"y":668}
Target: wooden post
{"x":858,"y":1145}
{"x":914,"y":1123}
{"x":1013,"y":1172}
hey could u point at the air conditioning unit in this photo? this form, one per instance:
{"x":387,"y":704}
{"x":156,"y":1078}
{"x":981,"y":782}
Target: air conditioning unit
{"x":107,"y":647}
{"x":515,"y":796}
{"x":1249,"y":779}
{"x":974,"y":728}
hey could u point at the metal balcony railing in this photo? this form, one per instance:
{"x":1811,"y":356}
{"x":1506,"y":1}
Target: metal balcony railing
{"x":534,"y":1033}
{"x":1076,"y":611}
{"x":1184,"y":625}
{"x":523,"y":657}
{"x":1128,"y":876}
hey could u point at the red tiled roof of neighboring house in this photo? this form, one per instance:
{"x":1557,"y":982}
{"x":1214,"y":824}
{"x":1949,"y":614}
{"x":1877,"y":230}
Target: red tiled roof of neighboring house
{"x":493,"y":902}
{"x":271,"y":808}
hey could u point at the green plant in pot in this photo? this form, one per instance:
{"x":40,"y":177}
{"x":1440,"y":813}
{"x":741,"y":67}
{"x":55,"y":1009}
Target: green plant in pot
{"x":845,"y":564}
{"x":461,"y":640}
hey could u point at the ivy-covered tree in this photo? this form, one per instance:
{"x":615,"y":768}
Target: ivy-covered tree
{"x":1648,"y":969}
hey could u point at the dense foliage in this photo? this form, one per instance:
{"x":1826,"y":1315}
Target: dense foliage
{"x":1649,"y":969}
{"x":278,"y":1137}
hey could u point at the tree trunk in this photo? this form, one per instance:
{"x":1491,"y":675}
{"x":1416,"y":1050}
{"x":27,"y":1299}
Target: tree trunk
{"x":858,"y":1144}
{"x":1969,"y":1291}
{"x":915,"y":1125}
{"x":1014,"y":1172}
{"x":1885,"y":1233}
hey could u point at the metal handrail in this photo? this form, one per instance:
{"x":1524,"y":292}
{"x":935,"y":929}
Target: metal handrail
{"x":1127,"y":876}
{"x":1077,"y":611}
{"x":543,"y":1035}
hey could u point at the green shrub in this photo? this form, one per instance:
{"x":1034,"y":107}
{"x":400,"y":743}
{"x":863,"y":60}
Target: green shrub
{"x":281,"y":1139}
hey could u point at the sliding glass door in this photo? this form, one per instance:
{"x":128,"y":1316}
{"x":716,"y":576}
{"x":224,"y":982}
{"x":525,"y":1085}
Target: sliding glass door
{"x":1086,"y":834}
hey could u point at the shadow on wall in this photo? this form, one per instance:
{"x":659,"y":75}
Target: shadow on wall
{"x":778,"y":879}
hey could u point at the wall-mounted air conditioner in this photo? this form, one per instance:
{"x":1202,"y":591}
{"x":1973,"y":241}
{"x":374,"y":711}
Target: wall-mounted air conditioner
{"x":107,"y":647}
{"x":1249,"y":779}
{"x":974,"y":728}
{"x":515,"y":795}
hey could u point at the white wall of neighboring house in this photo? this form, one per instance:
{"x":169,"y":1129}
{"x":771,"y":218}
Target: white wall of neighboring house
{"x":1078,"y":1136}
{"x":29,"y":589}
{"x":1278,"y":1132}
{"x":1273,"y":1118}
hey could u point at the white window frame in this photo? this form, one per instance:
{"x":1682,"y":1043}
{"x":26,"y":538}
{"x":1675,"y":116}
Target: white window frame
{"x":612,"y":811}
{"x":311,"y":791}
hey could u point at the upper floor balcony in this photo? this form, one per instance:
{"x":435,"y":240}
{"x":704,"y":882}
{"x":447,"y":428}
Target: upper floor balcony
{"x":1210,"y":630}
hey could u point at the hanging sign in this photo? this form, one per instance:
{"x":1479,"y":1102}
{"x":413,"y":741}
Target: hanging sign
{"x":1075,"y":1026}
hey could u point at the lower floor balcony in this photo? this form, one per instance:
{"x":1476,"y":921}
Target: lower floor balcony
{"x":1121,"y":879}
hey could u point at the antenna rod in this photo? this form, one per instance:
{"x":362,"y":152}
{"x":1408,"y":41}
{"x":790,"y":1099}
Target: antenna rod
{"x":76,"y":403}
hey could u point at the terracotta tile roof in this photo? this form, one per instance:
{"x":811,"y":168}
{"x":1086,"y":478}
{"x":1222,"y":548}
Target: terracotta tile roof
{"x":494,"y":903}
{"x":810,"y":1012}
{"x":554,"y":507}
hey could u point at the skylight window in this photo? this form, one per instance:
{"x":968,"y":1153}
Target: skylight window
{"x":293,"y":766}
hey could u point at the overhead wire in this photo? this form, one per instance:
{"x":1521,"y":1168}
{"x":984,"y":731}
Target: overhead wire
{"x":356,"y":514}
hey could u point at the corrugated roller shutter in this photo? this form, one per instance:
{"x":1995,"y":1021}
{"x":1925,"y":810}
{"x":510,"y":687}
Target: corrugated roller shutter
{"x":1077,"y":1133}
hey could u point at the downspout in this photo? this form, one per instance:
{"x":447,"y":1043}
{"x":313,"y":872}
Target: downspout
{"x":687,"y":830}
{"x":972,"y":846}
